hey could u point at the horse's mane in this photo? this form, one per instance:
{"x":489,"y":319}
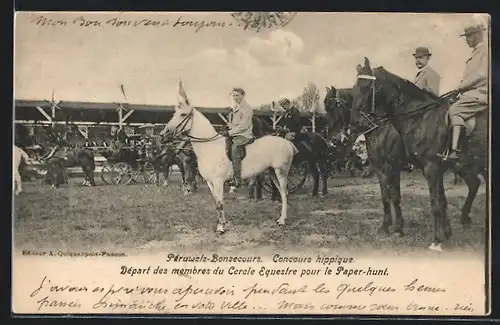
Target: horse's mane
{"x":406,"y":86}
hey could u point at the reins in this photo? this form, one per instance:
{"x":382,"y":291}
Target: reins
{"x":403,"y":115}
{"x":183,"y":123}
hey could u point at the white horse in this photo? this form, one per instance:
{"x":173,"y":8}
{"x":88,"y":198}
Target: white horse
{"x":215,"y":167}
{"x":18,"y":155}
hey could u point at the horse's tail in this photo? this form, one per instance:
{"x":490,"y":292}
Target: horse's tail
{"x":294,"y":148}
{"x":24,"y":155}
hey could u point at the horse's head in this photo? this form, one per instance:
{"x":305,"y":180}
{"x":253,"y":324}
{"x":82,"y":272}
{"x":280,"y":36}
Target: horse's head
{"x":182,"y":120}
{"x":338,"y":104}
{"x":291,"y":118}
{"x":379,"y":93}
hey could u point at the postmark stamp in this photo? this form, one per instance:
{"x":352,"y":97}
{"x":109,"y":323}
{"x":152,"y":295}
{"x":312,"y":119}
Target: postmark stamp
{"x":262,"y":20}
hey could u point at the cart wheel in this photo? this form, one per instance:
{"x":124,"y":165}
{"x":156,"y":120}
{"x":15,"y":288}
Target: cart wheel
{"x":296,"y":178}
{"x":146,"y":174}
{"x":107,"y":174}
{"x":122,"y":173}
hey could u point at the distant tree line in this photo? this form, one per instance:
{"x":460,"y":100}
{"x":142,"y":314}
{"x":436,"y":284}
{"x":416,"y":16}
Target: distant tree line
{"x":308,"y":101}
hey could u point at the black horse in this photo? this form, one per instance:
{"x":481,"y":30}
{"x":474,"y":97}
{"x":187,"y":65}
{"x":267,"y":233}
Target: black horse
{"x":165,"y":152}
{"x":63,"y":157}
{"x":385,"y":151}
{"x":420,"y":119}
{"x":312,"y":147}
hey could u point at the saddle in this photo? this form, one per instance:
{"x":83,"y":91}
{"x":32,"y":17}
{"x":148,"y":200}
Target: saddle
{"x":243,"y":150}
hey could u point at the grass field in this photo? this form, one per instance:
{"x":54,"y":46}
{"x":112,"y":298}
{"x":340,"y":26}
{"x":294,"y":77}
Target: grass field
{"x":145,"y":216}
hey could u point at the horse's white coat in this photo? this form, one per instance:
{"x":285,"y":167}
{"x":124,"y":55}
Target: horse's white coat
{"x":18,"y":155}
{"x":216,"y":168}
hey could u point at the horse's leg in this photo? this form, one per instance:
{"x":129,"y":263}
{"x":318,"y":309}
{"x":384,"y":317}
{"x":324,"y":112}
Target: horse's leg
{"x":18,"y":182}
{"x":323,"y":170}
{"x":158,"y":169}
{"x":383,"y":180}
{"x":473,"y":183}
{"x":434,"y":176}
{"x":257,"y":188}
{"x":91,"y":169}
{"x":444,"y":204}
{"x":182,"y":170}
{"x":315,"y":176}
{"x":394,"y":196}
{"x":251,"y":187}
{"x":281,"y":184}
{"x":89,"y":174}
{"x":274,"y":186}
{"x":217,"y":189}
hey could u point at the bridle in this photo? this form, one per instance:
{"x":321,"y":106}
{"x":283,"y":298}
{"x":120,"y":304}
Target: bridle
{"x":367,"y":117}
{"x":383,"y":119}
{"x":184,"y":132}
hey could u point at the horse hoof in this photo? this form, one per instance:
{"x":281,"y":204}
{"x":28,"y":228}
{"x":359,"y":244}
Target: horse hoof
{"x":280,"y":222}
{"x":466,"y":222}
{"x":447,"y":232}
{"x":383,"y":231}
{"x":436,"y":247}
{"x":398,"y":234}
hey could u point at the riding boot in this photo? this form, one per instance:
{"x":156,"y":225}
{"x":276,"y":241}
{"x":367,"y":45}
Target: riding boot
{"x":237,"y":169}
{"x":455,"y":138}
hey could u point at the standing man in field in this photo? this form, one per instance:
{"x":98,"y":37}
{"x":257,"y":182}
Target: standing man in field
{"x":240,"y":131}
{"x":427,"y":78}
{"x":473,"y":89}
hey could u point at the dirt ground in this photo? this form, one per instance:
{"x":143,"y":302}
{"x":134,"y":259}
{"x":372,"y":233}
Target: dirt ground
{"x":149,"y":217}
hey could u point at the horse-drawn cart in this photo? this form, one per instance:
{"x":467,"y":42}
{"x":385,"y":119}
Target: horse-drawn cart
{"x":127,"y":164}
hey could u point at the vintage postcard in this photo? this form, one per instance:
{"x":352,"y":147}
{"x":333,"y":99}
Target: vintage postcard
{"x":251,"y":163}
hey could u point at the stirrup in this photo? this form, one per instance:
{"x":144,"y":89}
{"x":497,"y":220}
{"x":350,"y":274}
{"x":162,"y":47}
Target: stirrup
{"x":444,"y":155}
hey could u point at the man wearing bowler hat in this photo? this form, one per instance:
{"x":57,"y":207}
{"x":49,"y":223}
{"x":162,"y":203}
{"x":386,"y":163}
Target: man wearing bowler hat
{"x":426,"y":78}
{"x":473,"y":89}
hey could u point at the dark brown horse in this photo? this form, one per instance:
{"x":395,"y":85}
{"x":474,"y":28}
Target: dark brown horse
{"x":385,"y":151}
{"x":420,"y":118}
{"x":70,"y":157}
{"x":165,"y":152}
{"x":312,"y":147}
{"x":64,"y":157}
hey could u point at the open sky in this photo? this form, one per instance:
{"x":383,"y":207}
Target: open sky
{"x":90,"y":63}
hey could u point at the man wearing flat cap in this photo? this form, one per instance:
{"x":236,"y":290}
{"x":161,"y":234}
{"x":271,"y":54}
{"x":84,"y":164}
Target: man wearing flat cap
{"x":473,"y":89}
{"x":240,"y":130}
{"x":427,"y":78}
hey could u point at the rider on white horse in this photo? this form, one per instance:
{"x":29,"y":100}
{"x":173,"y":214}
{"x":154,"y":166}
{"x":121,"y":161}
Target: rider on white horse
{"x":240,"y":131}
